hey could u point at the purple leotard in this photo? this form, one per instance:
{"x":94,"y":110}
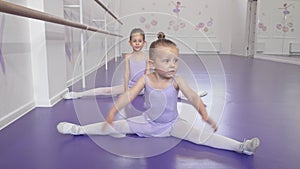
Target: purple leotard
{"x":161,"y":112}
{"x":137,"y":69}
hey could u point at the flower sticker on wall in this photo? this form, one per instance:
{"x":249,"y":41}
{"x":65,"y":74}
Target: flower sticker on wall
{"x":176,"y":25}
{"x":149,"y":22}
{"x":152,"y":23}
{"x":142,"y":19}
{"x":262,"y":26}
{"x":199,"y":26}
{"x":286,"y":23}
{"x":2,"y":62}
{"x":204,"y":26}
{"x":205,"y":22}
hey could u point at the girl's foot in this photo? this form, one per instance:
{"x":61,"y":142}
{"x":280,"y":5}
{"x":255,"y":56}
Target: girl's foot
{"x":71,"y":95}
{"x":249,"y":146}
{"x":68,"y":128}
{"x":202,"y":93}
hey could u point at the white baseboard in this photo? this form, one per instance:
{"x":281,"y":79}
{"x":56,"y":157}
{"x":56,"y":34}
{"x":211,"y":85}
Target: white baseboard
{"x":15,"y":115}
{"x":55,"y":99}
{"x":58,"y":97}
{"x":282,"y":59}
{"x":23,"y":110}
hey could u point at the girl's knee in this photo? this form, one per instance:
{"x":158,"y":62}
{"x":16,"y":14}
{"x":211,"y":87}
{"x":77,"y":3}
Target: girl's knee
{"x":107,"y":90}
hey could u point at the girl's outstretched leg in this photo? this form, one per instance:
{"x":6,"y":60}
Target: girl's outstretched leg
{"x":105,"y":91}
{"x":184,"y":130}
{"x":119,"y":128}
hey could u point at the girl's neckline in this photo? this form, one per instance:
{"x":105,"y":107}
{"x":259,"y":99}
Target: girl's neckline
{"x":143,"y":56}
{"x":170,"y":85}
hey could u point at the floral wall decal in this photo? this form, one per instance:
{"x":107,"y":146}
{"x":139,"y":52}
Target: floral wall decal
{"x":286,"y":24}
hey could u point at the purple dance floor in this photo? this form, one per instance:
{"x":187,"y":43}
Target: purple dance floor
{"x":262,"y":99}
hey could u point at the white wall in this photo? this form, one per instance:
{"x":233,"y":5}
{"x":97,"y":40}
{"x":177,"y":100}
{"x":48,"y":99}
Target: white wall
{"x":221,"y":21}
{"x":37,"y":69}
{"x":239,"y":27}
{"x":56,"y":61}
{"x":16,"y":86}
{"x":270,"y":16}
{"x":38,"y":58}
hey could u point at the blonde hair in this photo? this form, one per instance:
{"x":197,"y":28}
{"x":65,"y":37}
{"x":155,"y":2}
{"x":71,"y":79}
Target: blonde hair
{"x":161,"y":35}
{"x":137,"y":30}
{"x":161,"y":41}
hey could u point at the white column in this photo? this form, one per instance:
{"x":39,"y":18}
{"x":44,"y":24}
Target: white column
{"x":39,"y":57}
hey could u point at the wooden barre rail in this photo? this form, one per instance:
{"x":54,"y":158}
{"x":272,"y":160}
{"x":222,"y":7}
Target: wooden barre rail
{"x":107,"y":10}
{"x":10,"y":8}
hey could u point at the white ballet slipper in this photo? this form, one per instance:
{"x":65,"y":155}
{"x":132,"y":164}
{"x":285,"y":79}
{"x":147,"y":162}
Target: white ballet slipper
{"x":68,"y":128}
{"x":202,"y":93}
{"x":71,"y":95}
{"x":118,"y":135}
{"x":249,"y":147}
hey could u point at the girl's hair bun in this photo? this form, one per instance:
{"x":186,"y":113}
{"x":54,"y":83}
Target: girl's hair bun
{"x":161,"y":35}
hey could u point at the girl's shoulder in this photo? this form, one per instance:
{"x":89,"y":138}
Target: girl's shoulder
{"x":127,"y":55}
{"x":178,"y":80}
{"x":142,"y":80}
{"x":132,"y":54}
{"x":137,"y":57}
{"x":148,"y":76}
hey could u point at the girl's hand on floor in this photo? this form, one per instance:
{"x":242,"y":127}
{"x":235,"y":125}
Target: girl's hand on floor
{"x":110,"y":118}
{"x":108,"y":121}
{"x":212,"y":123}
{"x":214,"y":126}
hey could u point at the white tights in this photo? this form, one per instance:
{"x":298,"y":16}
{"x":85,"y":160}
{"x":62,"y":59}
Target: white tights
{"x":181,"y":129}
{"x":119,"y":127}
{"x":106,"y":91}
{"x":184,"y":130}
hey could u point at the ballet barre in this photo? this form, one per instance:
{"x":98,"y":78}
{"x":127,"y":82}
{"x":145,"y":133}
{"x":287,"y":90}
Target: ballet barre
{"x":108,"y":11}
{"x":10,"y":8}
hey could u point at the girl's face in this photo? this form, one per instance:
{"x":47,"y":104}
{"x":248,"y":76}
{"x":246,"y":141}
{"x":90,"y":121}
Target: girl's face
{"x":137,"y":42}
{"x":165,"y":61}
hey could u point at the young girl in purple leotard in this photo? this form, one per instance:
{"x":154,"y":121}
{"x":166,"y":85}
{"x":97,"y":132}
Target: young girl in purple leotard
{"x":136,"y":64}
{"x":161,"y":117}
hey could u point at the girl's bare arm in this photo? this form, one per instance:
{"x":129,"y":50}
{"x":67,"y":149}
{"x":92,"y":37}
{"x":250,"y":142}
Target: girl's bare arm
{"x":125,"y":98}
{"x":195,"y":100}
{"x":126,"y":72}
